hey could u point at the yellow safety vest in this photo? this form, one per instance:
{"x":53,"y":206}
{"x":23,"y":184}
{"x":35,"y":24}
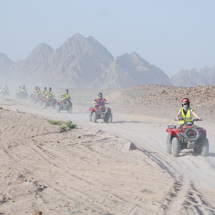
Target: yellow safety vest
{"x":65,"y":96}
{"x":188,"y":117}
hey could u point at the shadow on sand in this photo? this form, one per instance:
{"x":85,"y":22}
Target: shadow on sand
{"x":194,"y":154}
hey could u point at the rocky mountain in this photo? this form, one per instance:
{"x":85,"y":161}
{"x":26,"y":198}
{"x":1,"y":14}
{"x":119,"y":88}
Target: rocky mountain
{"x":5,"y":64}
{"x":84,"y":63}
{"x":189,"y":78}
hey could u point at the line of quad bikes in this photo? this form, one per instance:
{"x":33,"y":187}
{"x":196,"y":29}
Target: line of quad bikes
{"x":95,"y":113}
{"x":189,"y":136}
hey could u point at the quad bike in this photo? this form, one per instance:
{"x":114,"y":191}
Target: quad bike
{"x":189,"y":136}
{"x":47,"y":102}
{"x":64,"y":105}
{"x":34,"y":98}
{"x":5,"y":93}
{"x":100,"y":112}
{"x":21,"y":95}
{"x":41,"y":99}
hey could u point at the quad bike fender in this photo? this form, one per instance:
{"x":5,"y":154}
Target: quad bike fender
{"x":172,"y":132}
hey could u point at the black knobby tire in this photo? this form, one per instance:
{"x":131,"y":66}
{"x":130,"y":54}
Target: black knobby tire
{"x":176,"y":147}
{"x":90,"y":116}
{"x":205,"y":147}
{"x":58,"y":109}
{"x":70,"y":109}
{"x":110,"y":118}
{"x":169,"y":144}
{"x":94,"y":117}
{"x":106,"y":117}
{"x":34,"y":101}
{"x":190,"y":138}
{"x":45,"y":105}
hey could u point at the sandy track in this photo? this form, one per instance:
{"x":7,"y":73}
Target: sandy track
{"x":92,"y":175}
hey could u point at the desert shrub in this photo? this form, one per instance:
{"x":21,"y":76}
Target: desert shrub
{"x":55,"y":122}
{"x":70,"y":125}
{"x":63,"y":128}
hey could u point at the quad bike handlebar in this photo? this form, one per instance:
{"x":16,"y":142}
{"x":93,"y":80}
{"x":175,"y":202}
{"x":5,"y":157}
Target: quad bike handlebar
{"x":181,"y":119}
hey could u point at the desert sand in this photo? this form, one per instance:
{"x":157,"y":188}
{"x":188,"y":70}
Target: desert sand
{"x":89,"y":170}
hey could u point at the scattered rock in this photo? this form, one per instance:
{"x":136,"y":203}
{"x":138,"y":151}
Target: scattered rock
{"x":37,"y":213}
{"x":79,"y":137}
{"x":129,"y":147}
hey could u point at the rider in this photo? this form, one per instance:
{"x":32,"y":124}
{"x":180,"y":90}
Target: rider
{"x":66,"y":95}
{"x":38,"y":91}
{"x":50,"y":94}
{"x":100,"y":100}
{"x":5,"y":88}
{"x":44,"y":91}
{"x":186,"y":113}
{"x":19,"y":90}
{"x":35,"y":90}
{"x":24,"y":90}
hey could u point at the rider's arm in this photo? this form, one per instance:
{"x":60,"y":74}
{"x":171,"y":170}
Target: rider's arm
{"x":196,"y":115}
{"x":94,"y":101}
{"x":178,"y":115}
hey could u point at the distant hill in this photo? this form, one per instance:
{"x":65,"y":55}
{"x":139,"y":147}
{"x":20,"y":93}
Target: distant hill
{"x":83,"y":63}
{"x":189,"y":78}
{"x":5,"y":64}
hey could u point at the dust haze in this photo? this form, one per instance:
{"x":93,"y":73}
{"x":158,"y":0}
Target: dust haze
{"x":89,"y":170}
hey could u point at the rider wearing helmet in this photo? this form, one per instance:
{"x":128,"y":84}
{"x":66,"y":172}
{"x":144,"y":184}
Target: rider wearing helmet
{"x":44,"y":91}
{"x":24,"y":90}
{"x":66,"y":95}
{"x":35,"y":90}
{"x":50,"y":94}
{"x":99,"y":100}
{"x":186,"y":113}
{"x":5,"y":88}
{"x":38,"y":92}
{"x":19,"y":90}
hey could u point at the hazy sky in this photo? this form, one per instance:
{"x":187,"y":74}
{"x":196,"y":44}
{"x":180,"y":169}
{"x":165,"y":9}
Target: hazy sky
{"x":171,"y":34}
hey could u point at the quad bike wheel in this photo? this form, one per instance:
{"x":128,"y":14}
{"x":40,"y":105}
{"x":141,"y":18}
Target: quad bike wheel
{"x":94,"y":117}
{"x":70,"y":110}
{"x":110,"y":119}
{"x":106,"y":118}
{"x":90,"y":116}
{"x":176,"y":147}
{"x":189,"y":131}
{"x":168,"y":144}
{"x":45,"y":105}
{"x":205,"y":147}
{"x":58,"y":109}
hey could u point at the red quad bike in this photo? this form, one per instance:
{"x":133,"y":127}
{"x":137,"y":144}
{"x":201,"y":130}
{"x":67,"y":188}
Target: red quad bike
{"x":47,"y":102}
{"x":100,"y":112}
{"x":41,"y":99}
{"x":21,"y":95}
{"x":34,"y":99}
{"x":64,"y":105}
{"x":188,"y":136}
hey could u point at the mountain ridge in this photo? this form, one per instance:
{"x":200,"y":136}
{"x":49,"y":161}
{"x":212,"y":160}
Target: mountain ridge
{"x":82,"y":62}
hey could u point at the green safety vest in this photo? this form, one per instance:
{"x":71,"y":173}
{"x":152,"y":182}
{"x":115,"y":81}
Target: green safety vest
{"x":188,"y":117}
